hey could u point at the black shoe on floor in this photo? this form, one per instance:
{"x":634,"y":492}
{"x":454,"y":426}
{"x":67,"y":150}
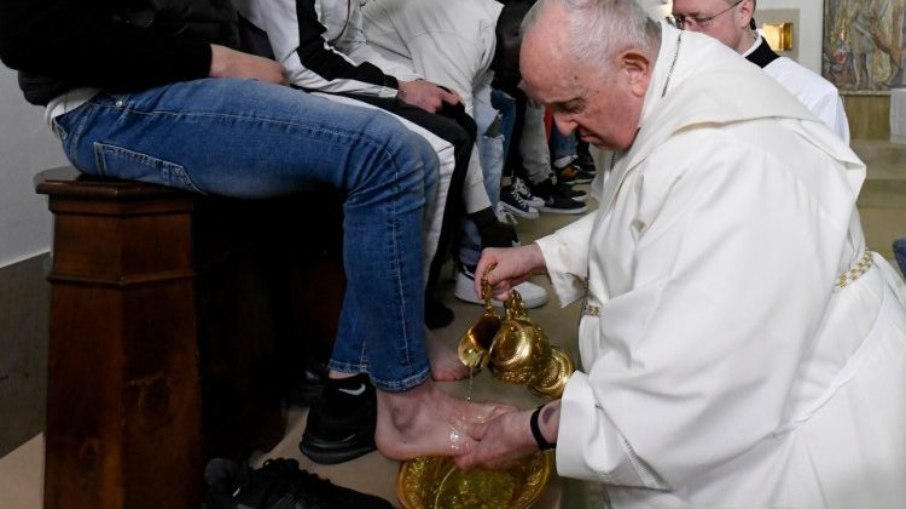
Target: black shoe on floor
{"x":437,"y":315}
{"x":573,"y":174}
{"x":571,"y":192}
{"x":341,"y":423}
{"x":584,"y":159}
{"x":556,"y":201}
{"x":302,"y":385}
{"x":279,"y":484}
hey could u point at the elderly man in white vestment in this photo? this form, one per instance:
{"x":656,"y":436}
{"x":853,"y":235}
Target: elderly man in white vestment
{"x":741,"y":347}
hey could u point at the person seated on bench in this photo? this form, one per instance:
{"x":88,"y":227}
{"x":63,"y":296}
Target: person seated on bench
{"x":323,"y":46}
{"x":156,"y":93}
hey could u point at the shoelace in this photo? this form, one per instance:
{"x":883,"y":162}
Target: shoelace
{"x":514,"y":194}
{"x":521,"y":189}
{"x":280,"y":477}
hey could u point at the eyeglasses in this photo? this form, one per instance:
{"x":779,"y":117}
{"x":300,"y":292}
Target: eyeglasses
{"x":680,"y":21}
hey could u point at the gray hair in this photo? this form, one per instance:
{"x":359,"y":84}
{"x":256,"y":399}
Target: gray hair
{"x":599,"y":29}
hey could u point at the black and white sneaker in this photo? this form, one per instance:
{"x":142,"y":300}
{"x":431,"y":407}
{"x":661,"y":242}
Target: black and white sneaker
{"x":341,"y":423}
{"x":278,"y":484}
{"x":555,"y":201}
{"x":526,"y":193}
{"x":533,"y":295}
{"x":573,"y":174}
{"x":571,"y":192}
{"x":516,"y":204}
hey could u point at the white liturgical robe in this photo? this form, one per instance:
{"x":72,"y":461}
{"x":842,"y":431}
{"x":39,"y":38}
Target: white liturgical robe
{"x":735,"y":351}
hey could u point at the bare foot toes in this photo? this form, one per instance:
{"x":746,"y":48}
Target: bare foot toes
{"x":445,"y":363}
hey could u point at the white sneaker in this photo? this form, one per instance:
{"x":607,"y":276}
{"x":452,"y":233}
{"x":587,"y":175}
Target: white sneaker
{"x":505,"y":216}
{"x":533,"y":296}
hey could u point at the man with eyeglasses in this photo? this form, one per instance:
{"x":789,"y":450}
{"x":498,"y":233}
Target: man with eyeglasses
{"x":730,"y":22}
{"x":740,"y":346}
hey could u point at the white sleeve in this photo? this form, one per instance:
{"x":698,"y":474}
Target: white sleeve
{"x":566,"y":257}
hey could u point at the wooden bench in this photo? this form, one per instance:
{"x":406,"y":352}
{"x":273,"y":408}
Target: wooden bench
{"x":169,"y":311}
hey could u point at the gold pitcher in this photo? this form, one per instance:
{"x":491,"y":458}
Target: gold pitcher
{"x":515,"y":349}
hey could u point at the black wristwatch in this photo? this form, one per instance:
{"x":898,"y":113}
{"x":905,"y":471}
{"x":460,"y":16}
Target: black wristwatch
{"x":542,"y":442}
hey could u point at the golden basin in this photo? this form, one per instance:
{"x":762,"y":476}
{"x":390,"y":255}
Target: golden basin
{"x":515,"y":350}
{"x":436,"y":483}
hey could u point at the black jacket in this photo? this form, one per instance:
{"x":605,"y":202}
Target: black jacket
{"x":115,"y":45}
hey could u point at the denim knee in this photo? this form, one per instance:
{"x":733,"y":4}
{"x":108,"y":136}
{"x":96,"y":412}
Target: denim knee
{"x":899,"y":252}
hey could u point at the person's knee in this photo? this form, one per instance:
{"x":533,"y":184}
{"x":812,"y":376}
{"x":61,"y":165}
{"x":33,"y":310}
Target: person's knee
{"x":899,"y":252}
{"x":429,"y":161}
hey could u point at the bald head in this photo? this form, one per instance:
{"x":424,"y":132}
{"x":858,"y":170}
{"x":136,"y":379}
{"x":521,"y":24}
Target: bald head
{"x":591,"y":62}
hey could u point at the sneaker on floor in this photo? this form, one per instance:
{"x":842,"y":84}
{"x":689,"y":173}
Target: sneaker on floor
{"x":436,"y":314}
{"x":278,"y":484}
{"x":533,"y":296}
{"x":571,"y":192}
{"x":303,"y":383}
{"x":504,"y":215}
{"x":584,"y":158}
{"x":573,"y":174}
{"x":526,"y":193}
{"x":513,"y":202}
{"x":341,"y":423}
{"x":555,"y":201}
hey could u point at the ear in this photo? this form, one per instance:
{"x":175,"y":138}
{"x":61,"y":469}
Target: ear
{"x":745,"y":12}
{"x":636,"y":67}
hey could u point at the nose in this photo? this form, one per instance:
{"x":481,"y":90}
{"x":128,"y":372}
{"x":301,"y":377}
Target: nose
{"x":565,"y":123}
{"x":691,"y":26}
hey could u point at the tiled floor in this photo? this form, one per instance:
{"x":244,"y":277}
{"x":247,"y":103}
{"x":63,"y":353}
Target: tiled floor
{"x":883,"y":208}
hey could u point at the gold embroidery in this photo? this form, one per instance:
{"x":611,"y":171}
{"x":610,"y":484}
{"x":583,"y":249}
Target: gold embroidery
{"x":861,"y":267}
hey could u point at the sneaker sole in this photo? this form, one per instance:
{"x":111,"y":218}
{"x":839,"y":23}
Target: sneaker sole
{"x":331,"y":453}
{"x":564,"y":211}
{"x":519,"y":212}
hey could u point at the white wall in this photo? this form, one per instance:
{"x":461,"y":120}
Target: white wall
{"x":26,"y":148}
{"x":808,"y":35}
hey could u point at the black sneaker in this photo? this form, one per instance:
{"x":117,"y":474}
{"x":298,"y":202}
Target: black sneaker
{"x":341,"y":423}
{"x":302,"y":384}
{"x":573,"y":174}
{"x":512,"y":201}
{"x":571,"y":192}
{"x":279,"y":484}
{"x":557,"y":202}
{"x":584,"y":159}
{"x":437,"y":315}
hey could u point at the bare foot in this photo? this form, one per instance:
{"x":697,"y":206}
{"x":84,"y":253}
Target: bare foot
{"x":425,"y":421}
{"x":445,"y":363}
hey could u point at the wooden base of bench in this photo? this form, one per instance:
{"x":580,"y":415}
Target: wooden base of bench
{"x":169,"y":313}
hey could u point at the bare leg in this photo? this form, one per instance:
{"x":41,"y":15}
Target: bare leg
{"x":445,"y":363}
{"x":425,"y":421}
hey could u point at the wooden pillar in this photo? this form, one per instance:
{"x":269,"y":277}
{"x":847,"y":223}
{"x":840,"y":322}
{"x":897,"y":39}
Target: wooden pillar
{"x":161,"y":344}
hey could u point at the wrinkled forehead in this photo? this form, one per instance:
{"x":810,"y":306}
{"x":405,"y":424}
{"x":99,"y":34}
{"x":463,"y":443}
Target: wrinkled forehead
{"x":698,"y":7}
{"x":544,"y":62}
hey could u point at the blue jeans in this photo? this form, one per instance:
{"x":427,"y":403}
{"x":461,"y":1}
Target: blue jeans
{"x":899,"y":252}
{"x":506,"y":105}
{"x":248,"y":139}
{"x":563,"y":146}
{"x":490,"y":154}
